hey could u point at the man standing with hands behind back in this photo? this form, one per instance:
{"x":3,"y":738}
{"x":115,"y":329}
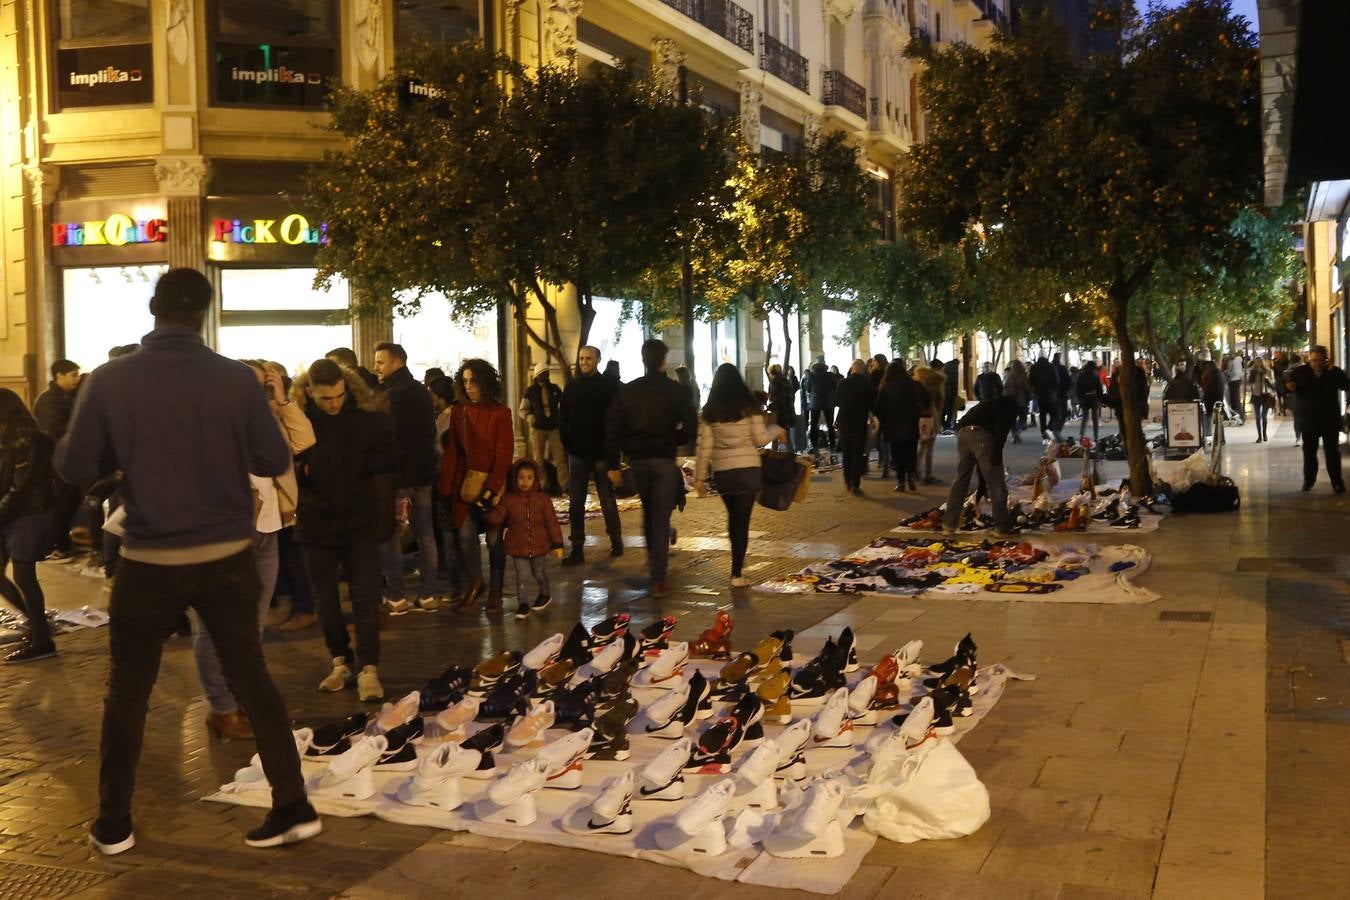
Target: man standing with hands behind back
{"x":186,"y":427}
{"x":1318,"y":386}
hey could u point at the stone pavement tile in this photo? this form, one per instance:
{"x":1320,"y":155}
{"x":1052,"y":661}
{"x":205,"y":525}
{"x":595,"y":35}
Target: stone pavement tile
{"x":1236,"y":843}
{"x":1122,"y":775}
{"x":959,"y":855}
{"x":1031,"y":808}
{"x":923,"y":883}
{"x":1130,"y":815}
{"x":1057,"y":740}
{"x":1091,"y":892}
{"x":1187,"y":882}
{"x":1148,"y":712}
{"x":1101,"y":860}
{"x":1153,"y":745}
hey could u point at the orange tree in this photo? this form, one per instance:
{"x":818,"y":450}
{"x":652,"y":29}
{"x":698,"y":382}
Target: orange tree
{"x":1100,"y":171}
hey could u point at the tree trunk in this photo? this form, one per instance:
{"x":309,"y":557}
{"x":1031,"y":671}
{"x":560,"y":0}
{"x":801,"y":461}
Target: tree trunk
{"x":787,"y":345}
{"x":687,"y":312}
{"x":586,"y":301}
{"x":1160,"y":358}
{"x":1136,"y":451}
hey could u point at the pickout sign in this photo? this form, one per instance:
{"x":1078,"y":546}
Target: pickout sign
{"x":111,"y":232}
{"x":115,"y":231}
{"x":262,"y":229}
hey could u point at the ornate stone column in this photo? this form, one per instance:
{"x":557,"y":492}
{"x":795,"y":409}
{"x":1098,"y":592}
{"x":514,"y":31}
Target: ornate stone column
{"x":667,"y":58}
{"x":752,"y":95}
{"x":559,"y":29}
{"x":184,"y":180}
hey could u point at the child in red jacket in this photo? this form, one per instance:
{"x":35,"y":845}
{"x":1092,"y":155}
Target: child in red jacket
{"x":532,"y":532}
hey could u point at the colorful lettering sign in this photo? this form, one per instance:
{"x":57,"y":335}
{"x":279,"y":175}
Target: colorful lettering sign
{"x":293,"y":229}
{"x":115,"y":231}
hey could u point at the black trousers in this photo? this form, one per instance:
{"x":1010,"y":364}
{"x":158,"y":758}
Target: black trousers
{"x":814,"y":423}
{"x":146,"y":601}
{"x":905,"y":455}
{"x":853,"y":447}
{"x":1331,"y":448}
{"x":66,"y":502}
{"x":360,"y":558}
{"x":739,"y":508}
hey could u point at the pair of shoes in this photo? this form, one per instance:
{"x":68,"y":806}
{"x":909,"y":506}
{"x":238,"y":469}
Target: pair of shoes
{"x":31,"y":652}
{"x":542,"y":602}
{"x":576,"y":558}
{"x":522,"y":611}
{"x":368,"y":686}
{"x":739,"y":581}
{"x":286,"y":826}
{"x":900,"y":488}
{"x":230,"y":726}
{"x":297,"y":622}
{"x":660,"y":589}
{"x":856,"y":491}
{"x":909,"y":480}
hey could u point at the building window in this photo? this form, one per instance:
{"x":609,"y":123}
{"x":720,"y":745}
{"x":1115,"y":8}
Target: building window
{"x":102,"y":54}
{"x":435,"y":22}
{"x":277,"y":314}
{"x":273,"y":53}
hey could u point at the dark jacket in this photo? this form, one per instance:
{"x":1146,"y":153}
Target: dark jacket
{"x":531,"y":523}
{"x":186,"y":426}
{"x":782,"y":407}
{"x":1044,"y":380}
{"x":26,"y":477}
{"x":1089,"y":389}
{"x":52,"y":410}
{"x":988,"y":386}
{"x":545,"y":418}
{"x":819,"y":386}
{"x":346,"y":479}
{"x":997,"y":418}
{"x":414,"y":428}
{"x":585,"y":404}
{"x":952,"y":371}
{"x":854,"y":401}
{"x":899,"y":405}
{"x":1319,"y":398}
{"x":1181,"y":388}
{"x":649,"y":418}
{"x":1064,"y":378}
{"x":1213,"y":384}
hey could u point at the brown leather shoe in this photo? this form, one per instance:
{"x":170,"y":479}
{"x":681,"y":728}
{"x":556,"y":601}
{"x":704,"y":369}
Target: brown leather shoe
{"x":230,"y":726}
{"x":660,"y":589}
{"x":494,"y":601}
{"x":469,"y":602}
{"x":297,"y":622}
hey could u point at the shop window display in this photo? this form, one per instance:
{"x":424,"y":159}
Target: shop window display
{"x":103,"y":20}
{"x":433,"y":338}
{"x":105,"y":307}
{"x":277,"y":314}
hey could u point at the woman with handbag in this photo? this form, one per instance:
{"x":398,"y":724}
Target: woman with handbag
{"x":1261,"y":387}
{"x":900,"y":402}
{"x":731,"y":430}
{"x":473,"y":475}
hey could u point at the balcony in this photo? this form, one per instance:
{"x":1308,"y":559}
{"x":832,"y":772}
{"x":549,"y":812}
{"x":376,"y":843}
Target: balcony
{"x":722,"y":17}
{"x":779,"y":59}
{"x":920,"y":34}
{"x":837,"y":89}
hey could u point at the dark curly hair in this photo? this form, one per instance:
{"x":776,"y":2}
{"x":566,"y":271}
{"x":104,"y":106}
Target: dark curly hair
{"x":489,"y":382}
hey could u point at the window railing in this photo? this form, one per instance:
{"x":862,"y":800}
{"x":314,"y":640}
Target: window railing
{"x":721,"y":16}
{"x":779,"y":59}
{"x":920,"y":33}
{"x":837,"y":89}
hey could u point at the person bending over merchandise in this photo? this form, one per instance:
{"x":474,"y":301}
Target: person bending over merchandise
{"x":980,"y":436}
{"x":532,"y":532}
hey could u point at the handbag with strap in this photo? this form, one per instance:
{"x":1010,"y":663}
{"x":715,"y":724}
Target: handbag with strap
{"x":475,"y":480}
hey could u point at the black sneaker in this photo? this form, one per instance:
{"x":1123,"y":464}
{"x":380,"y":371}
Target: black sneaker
{"x":287,"y":825}
{"x":575,"y":558}
{"x":111,"y":840}
{"x":541,"y":602}
{"x":1307,"y":486}
{"x":31,"y":653}
{"x":615,"y":547}
{"x":522,"y":611}
{"x":1338,"y":488}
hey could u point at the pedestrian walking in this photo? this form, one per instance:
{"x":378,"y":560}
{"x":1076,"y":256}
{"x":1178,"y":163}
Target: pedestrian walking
{"x":26,"y":500}
{"x":52,"y":412}
{"x":1018,"y":387}
{"x":952,"y":371}
{"x":693,"y":395}
{"x":980,"y":438}
{"x":819,"y":386}
{"x":1261,"y":388}
{"x":1089,"y":389}
{"x":1291,"y":398}
{"x":855,"y":400}
{"x":988,"y":385}
{"x":732,"y":428}
{"x":186,"y":427}
{"x":414,"y":416}
{"x":346,"y":512}
{"x":1064,"y":384}
{"x":1236,"y":374}
{"x":531,"y":534}
{"x":540,"y":408}
{"x":276,"y":502}
{"x":1318,"y":386}
{"x":585,"y":405}
{"x":934,"y":383}
{"x":1045,"y":388}
{"x":647,"y":421}
{"x":1213,"y":388}
{"x":876,"y":370}
{"x":899,"y":404}
{"x":473,"y":476}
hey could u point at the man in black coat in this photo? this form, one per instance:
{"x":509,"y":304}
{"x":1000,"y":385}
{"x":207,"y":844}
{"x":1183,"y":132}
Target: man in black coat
{"x":980,"y":437}
{"x":988,"y":386}
{"x":820,"y":385}
{"x":952,"y":371}
{"x":1064,"y":379}
{"x":1318,"y":387}
{"x":52,"y":411}
{"x":1045,"y":385}
{"x":585,"y":404}
{"x":854,"y":400}
{"x":415,"y":431}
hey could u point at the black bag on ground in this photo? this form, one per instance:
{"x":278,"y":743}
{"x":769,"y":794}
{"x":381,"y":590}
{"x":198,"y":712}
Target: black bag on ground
{"x":1203,"y":497}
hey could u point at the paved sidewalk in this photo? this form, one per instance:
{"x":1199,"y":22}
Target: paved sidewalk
{"x":1146,"y":760}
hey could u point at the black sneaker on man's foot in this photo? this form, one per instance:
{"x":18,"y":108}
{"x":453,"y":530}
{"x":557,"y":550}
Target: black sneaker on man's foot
{"x":541,"y":602}
{"x":575,"y":558}
{"x":522,"y":611}
{"x":616,"y":546}
{"x":286,"y":826}
{"x":1307,"y":486}
{"x":1338,"y":488}
{"x":111,"y":840}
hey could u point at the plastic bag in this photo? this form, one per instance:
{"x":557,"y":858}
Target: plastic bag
{"x":928,"y":793}
{"x":1194,"y":469}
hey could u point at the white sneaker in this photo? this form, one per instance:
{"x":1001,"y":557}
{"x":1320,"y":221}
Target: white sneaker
{"x":544,"y":653}
{"x":339,"y":678}
{"x":669,"y":665}
{"x":860,"y":702}
{"x":523,"y":778}
{"x":563,"y":757}
{"x":907,"y":657}
{"x":368,"y":686}
{"x":918,"y":724}
{"x":706,"y":809}
{"x":450,"y":722}
{"x":607,"y":658}
{"x":823,"y":800}
{"x":448,"y":761}
{"x":759,"y":766}
{"x":663,"y":777}
{"x":612,"y":811}
{"x":400,"y":713}
{"x":395,"y":606}
{"x":666,"y":710}
{"x":530,"y":727}
{"x":363,"y":754}
{"x":791,"y":741}
{"x":832,"y":726}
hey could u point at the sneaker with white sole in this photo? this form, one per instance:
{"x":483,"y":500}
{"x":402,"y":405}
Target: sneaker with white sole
{"x":832,"y":726}
{"x":563,"y":758}
{"x":759,"y":765}
{"x":705,"y":810}
{"x":368,"y":686}
{"x":668,"y":666}
{"x":396,"y":607}
{"x":449,"y":723}
{"x":791,"y":743}
{"x":523,"y":778}
{"x":612,"y":811}
{"x":339,"y":678}
{"x":393,"y":715}
{"x":663,"y":777}
{"x":530,"y":727}
{"x":286,"y":826}
{"x":545,"y":652}
{"x":111,"y":840}
{"x":860,"y":709}
{"x":363,"y":753}
{"x":400,"y":754}
{"x":663,"y":716}
{"x":605,"y":659}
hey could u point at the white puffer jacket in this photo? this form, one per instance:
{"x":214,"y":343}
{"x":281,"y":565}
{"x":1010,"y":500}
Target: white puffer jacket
{"x":732,"y":445}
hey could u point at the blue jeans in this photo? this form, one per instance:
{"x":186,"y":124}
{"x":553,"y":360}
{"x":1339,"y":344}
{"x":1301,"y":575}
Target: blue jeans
{"x":391,"y":551}
{"x":659,"y":482}
{"x":582,"y":472}
{"x":218,"y":694}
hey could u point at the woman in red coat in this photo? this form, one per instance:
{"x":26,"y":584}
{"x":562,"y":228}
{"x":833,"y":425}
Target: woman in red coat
{"x":473,"y":475}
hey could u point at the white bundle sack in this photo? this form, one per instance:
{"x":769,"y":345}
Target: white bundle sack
{"x":927,"y":793}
